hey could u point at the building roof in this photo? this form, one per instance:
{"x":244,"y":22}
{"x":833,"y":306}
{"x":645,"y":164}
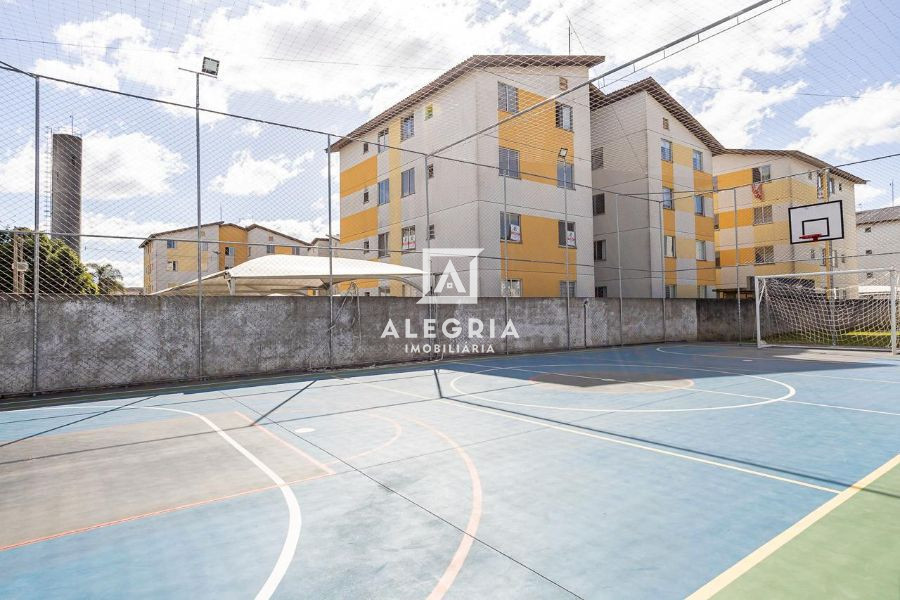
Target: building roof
{"x":598,"y":100}
{"x":807,"y":158}
{"x":878,"y":215}
{"x":160,"y":234}
{"x":285,"y":274}
{"x":477,"y":61}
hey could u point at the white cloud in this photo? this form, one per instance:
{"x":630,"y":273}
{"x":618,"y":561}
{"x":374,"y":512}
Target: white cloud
{"x":868,"y":196}
{"x":251,"y":129}
{"x":128,"y":225}
{"x":736,"y":115}
{"x":127,"y":165}
{"x":847,"y":124}
{"x":17,"y":170}
{"x":248,"y":176}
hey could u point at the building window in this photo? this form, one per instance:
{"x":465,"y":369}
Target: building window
{"x":665,"y":123}
{"x":762,"y":174}
{"x":870,"y":275}
{"x":172,"y":265}
{"x":511,"y":288}
{"x":701,"y":250}
{"x":431,"y":231}
{"x":762,"y":215}
{"x":600,"y":291}
{"x":170,"y":244}
{"x":564,"y":116}
{"x":384,"y":191}
{"x":868,"y":230}
{"x":365,"y":196}
{"x":564,"y":174}
{"x":408,"y":238}
{"x":566,"y":289}
{"x":599,"y":204}
{"x":665,"y":150}
{"x":599,"y":249}
{"x":670,"y":246}
{"x":509,"y":162}
{"x":430,"y":171}
{"x":566,"y":233}
{"x":716,"y":221}
{"x":407,"y":127}
{"x":840,"y":186}
{"x":429,"y":111}
{"x":718,"y":259}
{"x":295,"y":250}
{"x":507,"y":98}
{"x":511,"y":227}
{"x":408,"y":182}
{"x":698,"y":160}
{"x":365,"y":246}
{"x":563,"y":84}
{"x":703,"y":291}
{"x":831,"y":185}
{"x":229,"y":251}
{"x":270,"y":249}
{"x":670,"y":291}
{"x":365,"y":147}
{"x":667,"y":200}
{"x":765,"y":255}
{"x":868,"y":252}
{"x":698,"y":205}
{"x":596,"y":158}
{"x":383,"y":249}
{"x":382,"y":140}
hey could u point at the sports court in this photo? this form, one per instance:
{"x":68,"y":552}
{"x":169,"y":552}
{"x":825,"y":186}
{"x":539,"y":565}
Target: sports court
{"x":654,"y":471}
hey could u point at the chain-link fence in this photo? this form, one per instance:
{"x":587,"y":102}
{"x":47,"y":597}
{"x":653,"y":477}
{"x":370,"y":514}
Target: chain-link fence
{"x":568,"y":193}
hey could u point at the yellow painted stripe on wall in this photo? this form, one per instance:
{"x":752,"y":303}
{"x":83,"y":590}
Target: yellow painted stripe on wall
{"x":703,"y":182}
{"x":744,"y":218}
{"x":735,"y":179}
{"x":682,"y":155}
{"x":669,"y":221}
{"x":359,"y":176}
{"x":359,"y":225}
{"x":706,"y":272}
{"x":703,"y":228}
{"x":668,"y":174}
{"x":671,"y":274}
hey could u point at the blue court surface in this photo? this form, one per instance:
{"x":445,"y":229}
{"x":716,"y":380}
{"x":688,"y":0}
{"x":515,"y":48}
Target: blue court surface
{"x":640,"y":472}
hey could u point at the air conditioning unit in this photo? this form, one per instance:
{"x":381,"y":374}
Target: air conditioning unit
{"x":20,"y":266}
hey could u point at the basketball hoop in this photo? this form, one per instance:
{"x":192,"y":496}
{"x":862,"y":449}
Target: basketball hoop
{"x":811,"y":237}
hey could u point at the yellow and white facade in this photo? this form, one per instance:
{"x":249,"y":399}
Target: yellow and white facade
{"x":383,"y":215}
{"x":653,"y":183}
{"x":170,"y":257}
{"x":756,"y":188}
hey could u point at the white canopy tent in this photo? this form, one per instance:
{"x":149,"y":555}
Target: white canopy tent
{"x":280,"y":274}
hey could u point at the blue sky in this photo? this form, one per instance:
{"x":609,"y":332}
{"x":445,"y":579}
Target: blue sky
{"x":822,"y":76}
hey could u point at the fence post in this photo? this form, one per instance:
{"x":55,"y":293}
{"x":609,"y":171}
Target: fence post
{"x":36,"y":274}
{"x":893,"y":311}
{"x":330,"y":260}
{"x":737,"y":267}
{"x":566,"y":250}
{"x":662,"y":266}
{"x":504,"y":284}
{"x":619,"y":261}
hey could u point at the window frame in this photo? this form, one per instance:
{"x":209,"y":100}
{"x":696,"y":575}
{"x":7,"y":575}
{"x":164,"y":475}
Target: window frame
{"x":408,"y":182}
{"x":410,"y":131}
{"x":601,"y":244}
{"x":171,"y":244}
{"x":700,"y":250}
{"x":561,"y":111}
{"x":601,"y":291}
{"x":666,"y":150}
{"x":702,"y":205}
{"x":505,"y":287}
{"x":596,"y":158}
{"x":599,"y":199}
{"x":567,"y":168}
{"x":668,"y":200}
{"x":431,"y":231}
{"x":570,"y":284}
{"x":507,"y":220}
{"x":666,"y":246}
{"x":697,"y":164}
{"x":408,"y":242}
{"x":504,"y":93}
{"x":765,"y":214}
{"x":383,"y":135}
{"x":505,"y":170}
{"x":384,"y":251}
{"x":768,"y":252}
{"x":570,"y":226}
{"x":384,"y":192}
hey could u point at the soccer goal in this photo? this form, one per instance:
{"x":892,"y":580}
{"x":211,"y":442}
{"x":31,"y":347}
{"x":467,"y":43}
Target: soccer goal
{"x":830,"y":309}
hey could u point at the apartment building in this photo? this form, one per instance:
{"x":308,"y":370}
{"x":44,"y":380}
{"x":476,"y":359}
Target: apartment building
{"x":652,"y":178}
{"x":536,"y":166}
{"x":878,"y":239}
{"x":755,"y":190}
{"x":170,"y":257}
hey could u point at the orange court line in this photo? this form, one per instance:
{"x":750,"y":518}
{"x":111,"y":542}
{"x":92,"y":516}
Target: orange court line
{"x":317,"y":463}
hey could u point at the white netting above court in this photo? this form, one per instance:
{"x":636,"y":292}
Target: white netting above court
{"x":850,"y":309}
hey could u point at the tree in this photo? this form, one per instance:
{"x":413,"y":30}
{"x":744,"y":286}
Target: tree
{"x":61,"y":270}
{"x":107,"y":277}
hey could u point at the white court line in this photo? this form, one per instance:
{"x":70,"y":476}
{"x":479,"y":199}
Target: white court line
{"x":769,"y":548}
{"x":865,"y":410}
{"x":294,"y":516}
{"x":612,"y":440}
{"x":763,"y":400}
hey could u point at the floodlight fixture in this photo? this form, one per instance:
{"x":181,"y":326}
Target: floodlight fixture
{"x":210,"y":67}
{"x":562,"y":153}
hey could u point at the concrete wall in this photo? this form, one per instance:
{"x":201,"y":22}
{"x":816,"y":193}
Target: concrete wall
{"x":94,"y":343}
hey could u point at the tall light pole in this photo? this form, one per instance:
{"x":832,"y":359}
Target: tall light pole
{"x":209,"y":68}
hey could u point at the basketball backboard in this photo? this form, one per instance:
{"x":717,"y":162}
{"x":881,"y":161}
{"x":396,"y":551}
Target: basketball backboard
{"x":817,"y":222}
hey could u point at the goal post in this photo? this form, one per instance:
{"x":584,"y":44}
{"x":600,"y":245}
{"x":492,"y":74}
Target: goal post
{"x":854,"y":309}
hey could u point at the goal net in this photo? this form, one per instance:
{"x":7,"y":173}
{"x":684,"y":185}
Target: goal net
{"x":832,"y":309}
